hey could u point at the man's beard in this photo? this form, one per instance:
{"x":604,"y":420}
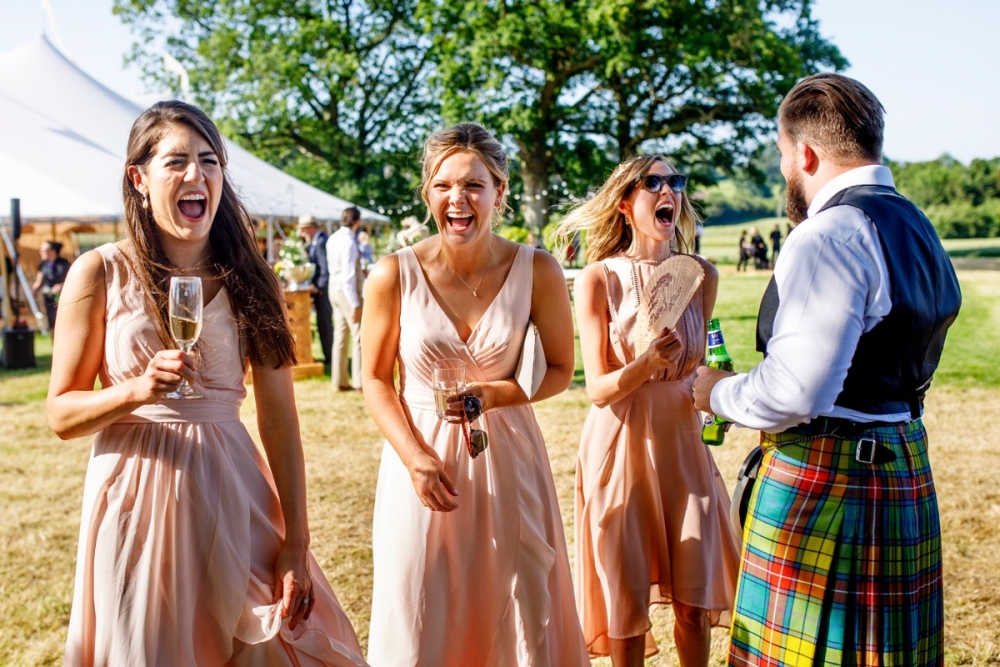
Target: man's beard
{"x":796,"y":206}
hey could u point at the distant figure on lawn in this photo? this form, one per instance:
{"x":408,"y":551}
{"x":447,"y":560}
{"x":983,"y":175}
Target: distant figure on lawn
{"x":775,"y":243}
{"x":744,"y":251}
{"x":759,"y":249}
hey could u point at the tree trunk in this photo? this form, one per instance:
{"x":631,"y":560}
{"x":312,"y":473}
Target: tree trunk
{"x":535,"y":176}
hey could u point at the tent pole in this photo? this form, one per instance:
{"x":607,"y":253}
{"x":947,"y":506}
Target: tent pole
{"x":43,"y":324}
{"x":7,"y":312}
{"x":270,"y":240}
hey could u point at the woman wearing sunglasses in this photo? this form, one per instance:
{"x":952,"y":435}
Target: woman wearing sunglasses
{"x":470,"y":561}
{"x":652,"y":511}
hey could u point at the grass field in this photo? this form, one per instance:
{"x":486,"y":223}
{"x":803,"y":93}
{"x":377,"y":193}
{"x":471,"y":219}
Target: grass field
{"x":41,"y":481}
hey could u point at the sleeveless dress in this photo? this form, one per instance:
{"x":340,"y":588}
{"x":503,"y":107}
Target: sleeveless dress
{"x":489,"y":583}
{"x":181,"y":520}
{"x":652,"y":510}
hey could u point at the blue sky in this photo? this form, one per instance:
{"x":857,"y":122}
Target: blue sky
{"x":932,"y":64}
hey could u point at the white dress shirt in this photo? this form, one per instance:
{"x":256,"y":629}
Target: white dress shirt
{"x":833,"y":285}
{"x":344,"y":257}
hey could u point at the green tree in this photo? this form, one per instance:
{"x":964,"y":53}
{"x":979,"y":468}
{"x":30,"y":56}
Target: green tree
{"x":594,"y":81}
{"x":333,"y":92}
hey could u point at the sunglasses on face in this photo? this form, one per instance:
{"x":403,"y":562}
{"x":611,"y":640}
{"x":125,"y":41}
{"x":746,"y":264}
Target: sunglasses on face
{"x":476,"y":439}
{"x":654,"y":182}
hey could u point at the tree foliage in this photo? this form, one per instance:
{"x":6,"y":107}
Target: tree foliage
{"x":962,"y":202}
{"x":333,"y":92}
{"x":342,"y":93}
{"x":578,"y":86}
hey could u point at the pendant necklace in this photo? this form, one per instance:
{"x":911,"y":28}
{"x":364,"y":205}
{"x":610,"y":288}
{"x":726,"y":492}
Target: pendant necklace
{"x":475,"y":290}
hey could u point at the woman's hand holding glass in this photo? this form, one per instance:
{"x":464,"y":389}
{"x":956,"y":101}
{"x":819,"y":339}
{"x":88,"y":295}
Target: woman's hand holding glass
{"x":185,"y":310}
{"x":453,"y":404}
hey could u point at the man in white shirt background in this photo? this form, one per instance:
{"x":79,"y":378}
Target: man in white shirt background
{"x":344,"y":262}
{"x":841,"y":561}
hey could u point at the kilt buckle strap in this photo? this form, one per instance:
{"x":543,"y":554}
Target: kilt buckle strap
{"x":865,"y":451}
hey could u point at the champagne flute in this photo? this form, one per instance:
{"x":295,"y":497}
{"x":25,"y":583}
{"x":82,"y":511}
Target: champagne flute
{"x":185,"y":310}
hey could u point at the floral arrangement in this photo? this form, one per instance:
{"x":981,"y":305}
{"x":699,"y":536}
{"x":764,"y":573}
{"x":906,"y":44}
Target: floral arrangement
{"x":293,"y":265}
{"x":292,"y":253}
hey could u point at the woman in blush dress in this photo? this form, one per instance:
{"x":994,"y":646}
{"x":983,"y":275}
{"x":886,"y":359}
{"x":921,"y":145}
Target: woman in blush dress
{"x":652,"y":511}
{"x":470,"y":555}
{"x":194,"y":549}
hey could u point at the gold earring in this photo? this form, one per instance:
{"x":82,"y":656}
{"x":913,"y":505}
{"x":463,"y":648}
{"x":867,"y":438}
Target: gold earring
{"x":145,"y":202}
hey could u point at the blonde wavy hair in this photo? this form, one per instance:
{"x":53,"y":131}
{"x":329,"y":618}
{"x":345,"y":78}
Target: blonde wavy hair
{"x":606,"y":228}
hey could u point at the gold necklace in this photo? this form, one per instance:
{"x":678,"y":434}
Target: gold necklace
{"x":481,"y":278}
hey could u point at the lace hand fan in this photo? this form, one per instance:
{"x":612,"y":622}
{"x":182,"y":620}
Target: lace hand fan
{"x":665,"y":297}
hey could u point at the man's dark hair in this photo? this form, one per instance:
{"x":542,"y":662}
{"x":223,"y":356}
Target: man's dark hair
{"x":837,"y":114}
{"x":350,"y":216}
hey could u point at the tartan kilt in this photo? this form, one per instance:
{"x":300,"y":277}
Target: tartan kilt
{"x":841,"y":560}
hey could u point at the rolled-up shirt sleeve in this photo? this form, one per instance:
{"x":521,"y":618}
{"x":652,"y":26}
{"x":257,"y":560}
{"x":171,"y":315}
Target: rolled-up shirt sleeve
{"x":830,"y":291}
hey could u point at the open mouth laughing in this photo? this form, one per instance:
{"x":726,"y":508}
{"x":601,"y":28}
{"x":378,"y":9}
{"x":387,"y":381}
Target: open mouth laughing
{"x":459,"y":221}
{"x":665,"y":213}
{"x":193,"y":206}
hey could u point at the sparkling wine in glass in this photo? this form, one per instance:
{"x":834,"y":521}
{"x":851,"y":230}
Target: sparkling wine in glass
{"x":185,"y":309}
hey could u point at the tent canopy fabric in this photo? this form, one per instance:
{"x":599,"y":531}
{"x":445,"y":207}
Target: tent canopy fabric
{"x":63,"y":140}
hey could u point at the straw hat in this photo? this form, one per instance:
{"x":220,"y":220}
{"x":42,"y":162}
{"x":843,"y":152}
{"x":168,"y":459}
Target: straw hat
{"x":307,"y":221}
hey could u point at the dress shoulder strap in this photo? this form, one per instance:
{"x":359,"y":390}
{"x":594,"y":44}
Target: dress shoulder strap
{"x":616,"y":328}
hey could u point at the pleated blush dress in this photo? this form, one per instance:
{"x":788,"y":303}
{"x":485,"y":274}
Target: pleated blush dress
{"x":181,"y":520}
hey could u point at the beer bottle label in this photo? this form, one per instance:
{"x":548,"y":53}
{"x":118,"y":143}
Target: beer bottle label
{"x":715,"y":338}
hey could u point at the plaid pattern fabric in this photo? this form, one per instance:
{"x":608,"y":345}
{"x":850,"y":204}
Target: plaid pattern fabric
{"x":841,"y":561}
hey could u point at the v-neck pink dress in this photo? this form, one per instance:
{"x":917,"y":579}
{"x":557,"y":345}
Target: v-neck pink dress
{"x":487,"y":584}
{"x":181,"y":520}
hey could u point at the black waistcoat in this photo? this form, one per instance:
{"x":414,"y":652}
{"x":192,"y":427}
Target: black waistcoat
{"x":893,"y":363}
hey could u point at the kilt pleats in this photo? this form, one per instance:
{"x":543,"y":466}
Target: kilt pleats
{"x":841,"y":561}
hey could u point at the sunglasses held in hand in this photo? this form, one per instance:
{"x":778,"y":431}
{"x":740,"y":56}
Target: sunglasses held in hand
{"x":476,"y":439}
{"x":654,"y":182}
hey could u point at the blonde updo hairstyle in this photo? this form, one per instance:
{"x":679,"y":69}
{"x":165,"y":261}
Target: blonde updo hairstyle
{"x":606,"y":228}
{"x":470,"y":138}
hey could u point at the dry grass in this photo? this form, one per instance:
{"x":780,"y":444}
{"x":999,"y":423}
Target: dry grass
{"x":41,"y":481}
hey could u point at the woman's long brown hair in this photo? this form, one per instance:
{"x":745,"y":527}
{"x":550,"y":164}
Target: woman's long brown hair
{"x":254,"y":292}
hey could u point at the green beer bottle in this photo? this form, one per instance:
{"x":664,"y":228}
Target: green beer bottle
{"x":714,"y":430}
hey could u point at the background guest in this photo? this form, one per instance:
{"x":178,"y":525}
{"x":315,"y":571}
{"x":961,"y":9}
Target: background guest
{"x":50,"y":278}
{"x":346,"y":280}
{"x":310,"y":230}
{"x":775,"y":243}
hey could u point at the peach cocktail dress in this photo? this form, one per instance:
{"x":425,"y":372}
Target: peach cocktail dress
{"x":489,"y":583}
{"x":652,"y":510}
{"x":181,"y":521}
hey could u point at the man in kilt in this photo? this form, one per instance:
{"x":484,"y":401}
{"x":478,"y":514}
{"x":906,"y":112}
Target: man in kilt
{"x":841,"y":560}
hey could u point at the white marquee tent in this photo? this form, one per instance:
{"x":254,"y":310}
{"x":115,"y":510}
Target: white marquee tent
{"x":62,"y":148}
